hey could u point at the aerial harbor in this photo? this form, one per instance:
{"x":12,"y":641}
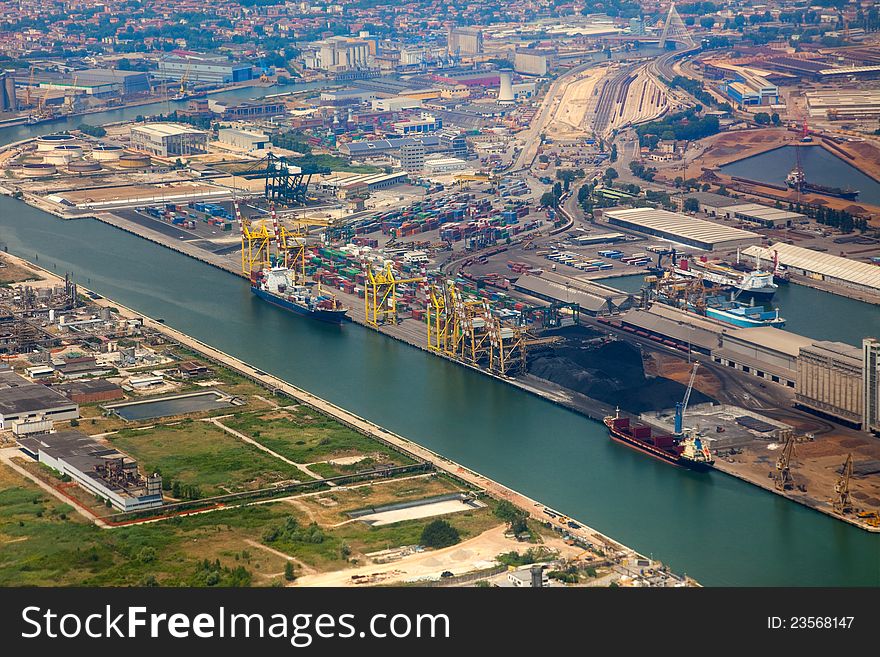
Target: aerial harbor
{"x":532,"y":297}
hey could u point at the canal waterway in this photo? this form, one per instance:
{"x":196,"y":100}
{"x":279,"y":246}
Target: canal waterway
{"x":17,"y":133}
{"x":819,"y":166}
{"x":711,"y":526}
{"x":807,"y":311}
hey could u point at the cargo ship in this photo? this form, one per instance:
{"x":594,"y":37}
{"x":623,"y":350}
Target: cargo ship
{"x":757,"y":283}
{"x":277,"y":285}
{"x":740,"y":314}
{"x":687,"y":450}
{"x":797,"y":179}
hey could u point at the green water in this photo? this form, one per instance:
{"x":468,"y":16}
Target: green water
{"x":713,"y":527}
{"x":813,"y":313}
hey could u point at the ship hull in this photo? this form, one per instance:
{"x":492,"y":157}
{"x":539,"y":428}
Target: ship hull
{"x":655,"y":452}
{"x":327,"y":316}
{"x":742,"y":320}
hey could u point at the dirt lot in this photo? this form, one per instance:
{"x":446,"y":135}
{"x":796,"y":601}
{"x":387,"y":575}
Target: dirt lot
{"x":11,"y":272}
{"x":478,"y":552}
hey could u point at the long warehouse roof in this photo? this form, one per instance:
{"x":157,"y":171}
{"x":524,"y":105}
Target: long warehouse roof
{"x":826,"y":264}
{"x":682,"y":225}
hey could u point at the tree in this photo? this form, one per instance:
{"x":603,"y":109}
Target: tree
{"x":548,"y":200}
{"x":707,"y":22}
{"x":175,"y":490}
{"x":288,"y":571}
{"x":610,"y":174}
{"x":613,"y":155}
{"x":762,"y":118}
{"x":691,"y":205}
{"x":775,"y":118}
{"x":439,"y":534}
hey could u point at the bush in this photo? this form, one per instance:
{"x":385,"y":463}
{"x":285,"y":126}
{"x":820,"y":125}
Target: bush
{"x":439,"y":534}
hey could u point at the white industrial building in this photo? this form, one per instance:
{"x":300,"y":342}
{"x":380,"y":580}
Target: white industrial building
{"x":168,"y":139}
{"x":444,"y":164}
{"x":243,"y":139}
{"x":821,"y":266}
{"x":339,"y":54}
{"x":101,"y":470}
{"x":681,"y":228}
{"x":395,"y":104}
{"x":829,"y":380}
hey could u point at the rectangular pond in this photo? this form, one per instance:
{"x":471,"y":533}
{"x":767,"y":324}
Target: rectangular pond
{"x":170,"y":405}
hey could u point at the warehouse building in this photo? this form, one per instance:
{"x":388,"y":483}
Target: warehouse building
{"x":681,"y":228}
{"x":20,"y":399}
{"x":128,"y":83}
{"x":593,"y":298}
{"x":248,"y":109}
{"x":168,"y":139}
{"x":203,"y":69}
{"x":829,"y":381}
{"x":821,"y":266}
{"x":85,"y":391}
{"x":101,"y":470}
{"x":763,"y":351}
{"x":366,"y":148}
{"x":726,"y":207}
{"x":243,"y":139}
{"x":871,"y":385}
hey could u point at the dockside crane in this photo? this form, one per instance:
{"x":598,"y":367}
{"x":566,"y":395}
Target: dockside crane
{"x":681,"y":407}
{"x":380,"y":295}
{"x":784,"y":480}
{"x":843,"y":502}
{"x":255,"y":244}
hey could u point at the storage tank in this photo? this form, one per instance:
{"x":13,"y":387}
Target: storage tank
{"x":106,"y":153}
{"x":83,"y":166}
{"x":38,"y":170}
{"x":134,"y":161}
{"x":50,"y":142}
{"x":62,"y":154}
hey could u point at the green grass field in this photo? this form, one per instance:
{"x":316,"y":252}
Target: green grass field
{"x":45,"y":543}
{"x":305,"y":436}
{"x":201,"y":454}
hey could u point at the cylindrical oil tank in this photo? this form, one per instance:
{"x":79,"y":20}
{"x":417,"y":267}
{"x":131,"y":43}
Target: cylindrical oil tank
{"x":58,"y":156}
{"x":134,"y":161}
{"x":50,"y":142}
{"x":106,"y":152}
{"x":83,"y":166}
{"x":38,"y":170}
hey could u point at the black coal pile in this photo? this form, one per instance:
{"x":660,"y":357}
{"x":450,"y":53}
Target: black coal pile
{"x":611,"y":372}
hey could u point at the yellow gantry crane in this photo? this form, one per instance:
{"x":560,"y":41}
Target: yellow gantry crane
{"x":255,"y":244}
{"x":467,"y":330}
{"x":380,"y":295}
